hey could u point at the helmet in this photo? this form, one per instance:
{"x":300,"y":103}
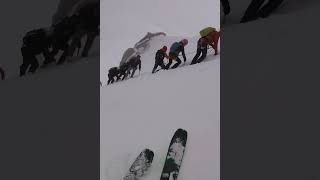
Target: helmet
{"x":184,"y":41}
{"x":164,"y":48}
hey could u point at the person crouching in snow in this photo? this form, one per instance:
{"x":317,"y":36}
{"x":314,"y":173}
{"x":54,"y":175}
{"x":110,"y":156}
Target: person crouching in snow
{"x":202,"y":49}
{"x":160,"y":55}
{"x":35,"y":42}
{"x":211,"y":39}
{"x":175,"y":49}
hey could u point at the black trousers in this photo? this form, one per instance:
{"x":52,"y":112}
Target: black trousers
{"x":255,"y":10}
{"x":63,"y":47}
{"x":111,"y":78}
{"x":158,"y":62}
{"x":226,"y":6}
{"x":200,"y":51}
{"x":175,"y":65}
{"x":29,"y":60}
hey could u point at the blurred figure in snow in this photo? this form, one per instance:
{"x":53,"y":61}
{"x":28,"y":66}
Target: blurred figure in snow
{"x":35,"y":42}
{"x":88,"y":11}
{"x":68,"y":8}
{"x":255,"y":9}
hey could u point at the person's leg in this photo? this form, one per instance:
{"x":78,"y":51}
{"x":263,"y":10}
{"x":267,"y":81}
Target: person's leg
{"x":125,"y":74}
{"x":24,"y":66}
{"x":25,"y":52}
{"x":48,"y":57}
{"x":54,"y":52}
{"x":204,"y":52}
{"x":177,"y":64}
{"x":169,"y":64}
{"x":2,"y":73}
{"x":133,"y":72}
{"x":267,"y":9}
{"x":34,"y":65}
{"x":195,"y":59}
{"x":64,"y":55}
{"x":252,"y":10}
{"x":75,"y":40}
{"x":154,"y":67}
{"x":90,"y":39}
{"x":110,"y":79}
{"x":118,"y":77}
{"x":226,"y":6}
{"x":162,"y":65}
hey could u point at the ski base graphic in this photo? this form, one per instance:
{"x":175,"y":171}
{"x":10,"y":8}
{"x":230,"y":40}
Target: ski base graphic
{"x":175,"y":155}
{"x":141,"y":165}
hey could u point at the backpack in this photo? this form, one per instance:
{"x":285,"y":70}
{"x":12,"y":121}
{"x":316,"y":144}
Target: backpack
{"x":36,"y":37}
{"x":175,"y":47}
{"x":113,"y":70}
{"x":204,"y":32}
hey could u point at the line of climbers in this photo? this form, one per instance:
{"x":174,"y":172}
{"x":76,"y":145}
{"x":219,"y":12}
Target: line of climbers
{"x":65,"y":36}
{"x":209,"y":37}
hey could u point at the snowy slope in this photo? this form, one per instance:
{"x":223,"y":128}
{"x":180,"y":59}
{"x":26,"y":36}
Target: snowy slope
{"x":144,"y":112}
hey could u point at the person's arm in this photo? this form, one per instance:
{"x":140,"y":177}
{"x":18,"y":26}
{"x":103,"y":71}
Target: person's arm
{"x":211,"y":44}
{"x":166,"y":56}
{"x":226,"y":6}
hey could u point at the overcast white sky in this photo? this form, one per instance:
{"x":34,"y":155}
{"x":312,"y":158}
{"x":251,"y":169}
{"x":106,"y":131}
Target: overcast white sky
{"x":124,"y":22}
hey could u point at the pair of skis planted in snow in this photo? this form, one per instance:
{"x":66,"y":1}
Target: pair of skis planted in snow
{"x":172,"y":163}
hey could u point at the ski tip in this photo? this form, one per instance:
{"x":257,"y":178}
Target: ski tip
{"x":148,"y":151}
{"x":181,"y":131}
{"x":149,"y":154}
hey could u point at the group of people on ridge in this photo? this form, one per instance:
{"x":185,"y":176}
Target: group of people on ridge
{"x":64,"y":35}
{"x":209,"y":37}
